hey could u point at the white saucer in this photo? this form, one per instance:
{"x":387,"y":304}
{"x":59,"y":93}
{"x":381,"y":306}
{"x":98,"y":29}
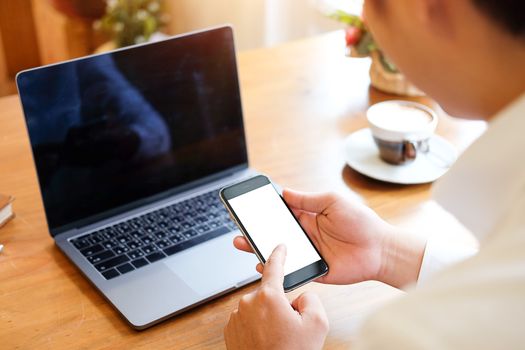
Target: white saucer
{"x":362,"y":155}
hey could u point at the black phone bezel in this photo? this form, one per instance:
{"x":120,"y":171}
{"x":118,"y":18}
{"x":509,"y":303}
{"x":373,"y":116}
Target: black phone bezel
{"x":296,"y":278}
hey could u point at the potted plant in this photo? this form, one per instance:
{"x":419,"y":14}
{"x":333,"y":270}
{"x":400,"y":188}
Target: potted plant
{"x":130,"y":22}
{"x":384,"y":75}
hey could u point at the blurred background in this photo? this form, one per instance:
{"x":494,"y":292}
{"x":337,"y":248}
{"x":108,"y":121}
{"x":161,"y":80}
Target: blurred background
{"x":38,"y":32}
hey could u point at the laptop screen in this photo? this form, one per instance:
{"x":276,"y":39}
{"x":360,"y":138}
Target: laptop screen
{"x":116,"y":129}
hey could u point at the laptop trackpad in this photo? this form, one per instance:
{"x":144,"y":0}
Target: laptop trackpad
{"x":213,"y":266}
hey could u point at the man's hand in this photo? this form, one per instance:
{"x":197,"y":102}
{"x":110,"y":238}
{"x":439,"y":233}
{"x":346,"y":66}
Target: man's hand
{"x":265,"y":319}
{"x":355,"y":242}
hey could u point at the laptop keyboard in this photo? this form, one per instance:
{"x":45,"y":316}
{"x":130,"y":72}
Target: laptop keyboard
{"x":142,"y":240}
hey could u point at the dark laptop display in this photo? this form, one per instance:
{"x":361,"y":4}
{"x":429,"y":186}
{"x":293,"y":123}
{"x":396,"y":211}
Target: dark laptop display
{"x":121,"y":128}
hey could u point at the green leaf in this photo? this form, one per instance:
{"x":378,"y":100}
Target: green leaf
{"x":387,"y":64}
{"x":348,"y":19}
{"x":366,"y":45}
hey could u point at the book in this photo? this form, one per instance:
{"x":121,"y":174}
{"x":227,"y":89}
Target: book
{"x":6,"y":209}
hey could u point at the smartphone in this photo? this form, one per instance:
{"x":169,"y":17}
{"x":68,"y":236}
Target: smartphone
{"x":266,"y":221}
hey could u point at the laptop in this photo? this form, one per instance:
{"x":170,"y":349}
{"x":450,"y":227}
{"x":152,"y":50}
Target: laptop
{"x":131,"y":148}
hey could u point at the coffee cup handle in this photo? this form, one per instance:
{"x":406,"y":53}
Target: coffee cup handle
{"x":409,"y":150}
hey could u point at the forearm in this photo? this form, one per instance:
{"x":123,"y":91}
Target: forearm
{"x":402,"y":255}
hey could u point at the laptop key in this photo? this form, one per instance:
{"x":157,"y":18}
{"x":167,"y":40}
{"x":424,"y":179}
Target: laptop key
{"x":136,"y":254}
{"x":214,"y":224}
{"x":149,"y":229}
{"x":139,"y":262}
{"x":135,"y":224}
{"x":163,"y":224}
{"x":176,"y":238}
{"x":120,"y":249}
{"x":200,"y":219}
{"x":222,"y":213}
{"x":149,"y":249}
{"x":186,"y":225}
{"x":202,"y":229}
{"x":193,"y":213}
{"x":105,"y":235}
{"x":147,"y":239}
{"x":124,"y":239}
{"x":109,"y":274}
{"x":136,"y":234}
{"x":161,"y":235}
{"x":175,"y":229}
{"x":155,"y":256}
{"x":80,"y":243}
{"x":95,"y":238}
{"x":119,"y":230}
{"x":106,"y":254}
{"x":92,"y":250}
{"x":127,"y":267}
{"x":176,"y":219}
{"x":106,"y":265}
{"x":162,"y":244}
{"x":124,"y":226}
{"x":202,"y":210}
{"x":190,"y":233}
{"x":135,"y":244}
{"x":150,"y":220}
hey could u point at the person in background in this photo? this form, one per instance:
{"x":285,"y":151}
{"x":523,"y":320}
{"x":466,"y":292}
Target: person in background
{"x":469,"y":55}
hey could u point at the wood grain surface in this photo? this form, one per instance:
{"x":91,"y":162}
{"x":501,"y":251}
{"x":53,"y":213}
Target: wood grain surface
{"x":300,"y":100}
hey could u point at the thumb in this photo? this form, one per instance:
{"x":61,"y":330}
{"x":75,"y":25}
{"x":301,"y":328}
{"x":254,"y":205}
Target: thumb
{"x":309,"y":306}
{"x":310,"y":202}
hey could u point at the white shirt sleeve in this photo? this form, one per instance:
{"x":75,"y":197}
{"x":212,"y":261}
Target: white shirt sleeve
{"x":477,"y":303}
{"x":439,"y":254}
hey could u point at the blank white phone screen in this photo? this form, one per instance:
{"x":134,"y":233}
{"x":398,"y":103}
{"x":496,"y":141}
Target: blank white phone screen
{"x":269,"y":223}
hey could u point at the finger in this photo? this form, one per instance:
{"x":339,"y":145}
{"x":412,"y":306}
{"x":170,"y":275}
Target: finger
{"x":310,"y":307}
{"x":273,"y":272}
{"x":308,"y":221}
{"x":311,"y":202}
{"x":241,"y":243}
{"x":297,"y":212}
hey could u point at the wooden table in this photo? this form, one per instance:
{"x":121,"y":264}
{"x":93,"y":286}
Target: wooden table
{"x":301,"y":100}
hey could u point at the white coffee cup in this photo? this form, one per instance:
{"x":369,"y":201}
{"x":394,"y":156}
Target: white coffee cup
{"x":401,"y":129}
